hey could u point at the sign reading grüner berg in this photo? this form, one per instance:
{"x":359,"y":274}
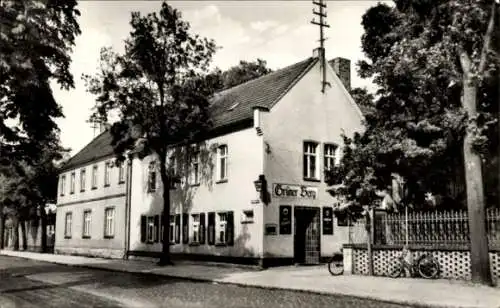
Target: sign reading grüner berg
{"x":294,"y":191}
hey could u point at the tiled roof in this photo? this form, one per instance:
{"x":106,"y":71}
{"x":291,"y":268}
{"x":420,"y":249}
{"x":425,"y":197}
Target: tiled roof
{"x":99,"y":147}
{"x":228,"y":107}
{"x":237,"y":103}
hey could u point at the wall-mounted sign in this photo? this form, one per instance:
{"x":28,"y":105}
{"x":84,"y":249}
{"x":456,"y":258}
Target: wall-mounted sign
{"x":327,"y":221}
{"x":285,"y":219}
{"x":271,"y":229}
{"x":295,"y":191}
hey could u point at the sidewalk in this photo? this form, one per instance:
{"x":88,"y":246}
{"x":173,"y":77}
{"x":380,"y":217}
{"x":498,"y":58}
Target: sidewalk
{"x":316,"y":279}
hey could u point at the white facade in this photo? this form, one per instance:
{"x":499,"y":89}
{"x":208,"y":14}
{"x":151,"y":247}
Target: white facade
{"x":91,"y":203}
{"x":273,"y":147}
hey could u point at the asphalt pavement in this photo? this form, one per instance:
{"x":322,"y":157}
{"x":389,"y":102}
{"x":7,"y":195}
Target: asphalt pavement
{"x":28,"y":283}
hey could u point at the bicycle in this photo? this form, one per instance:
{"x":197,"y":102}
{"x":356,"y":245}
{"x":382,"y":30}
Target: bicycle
{"x":426,"y":266}
{"x":336,"y":264}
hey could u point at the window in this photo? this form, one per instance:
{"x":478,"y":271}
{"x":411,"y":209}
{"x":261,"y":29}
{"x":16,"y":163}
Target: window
{"x":67,"y":225}
{"x":72,"y":183}
{"x":82,"y":180}
{"x":330,"y":161}
{"x":310,"y":160}
{"x":195,"y":169}
{"x":63,"y":184}
{"x":222,"y":228}
{"x":121,"y":173}
{"x":107,"y":166}
{"x":196,"y":228}
{"x":109,"y":226}
{"x":150,"y":229}
{"x":94,"y":177}
{"x":172,"y":229}
{"x":222,"y":152}
{"x":152,"y":177}
{"x":87,"y":220}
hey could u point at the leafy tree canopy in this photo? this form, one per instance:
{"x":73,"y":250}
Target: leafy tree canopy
{"x":415,"y":125}
{"x":36,"y":38}
{"x":159,"y":89}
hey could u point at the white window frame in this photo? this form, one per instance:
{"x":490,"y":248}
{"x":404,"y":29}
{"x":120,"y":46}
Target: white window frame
{"x":121,"y":173}
{"x":172,"y":229}
{"x":87,"y":223}
{"x":195,"y":169}
{"x":310,"y":149}
{"x":83,"y":173}
{"x":68,"y":222}
{"x":222,"y":158}
{"x":63,"y":184}
{"x":221,"y":228}
{"x":109,"y":222}
{"x":72,"y":180}
{"x":95,"y":170}
{"x":330,"y":155}
{"x":152,"y":177}
{"x":150,"y":229}
{"x":195,"y":228}
{"x":107,"y":167}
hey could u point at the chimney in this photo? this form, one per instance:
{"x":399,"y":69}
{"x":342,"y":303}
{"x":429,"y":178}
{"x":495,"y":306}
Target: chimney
{"x":342,"y":67}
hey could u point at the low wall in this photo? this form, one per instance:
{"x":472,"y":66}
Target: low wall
{"x":454,"y":262}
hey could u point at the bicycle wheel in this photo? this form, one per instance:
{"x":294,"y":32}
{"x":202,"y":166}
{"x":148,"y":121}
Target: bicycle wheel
{"x":396,"y":271}
{"x":335,"y":268}
{"x":428,"y":267}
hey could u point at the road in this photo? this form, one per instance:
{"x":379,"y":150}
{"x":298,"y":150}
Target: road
{"x":27,"y":283}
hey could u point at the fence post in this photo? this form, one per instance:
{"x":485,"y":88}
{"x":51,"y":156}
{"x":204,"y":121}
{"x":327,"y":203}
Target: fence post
{"x":371,"y":231}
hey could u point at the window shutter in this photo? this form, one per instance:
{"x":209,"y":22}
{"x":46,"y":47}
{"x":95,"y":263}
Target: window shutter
{"x":143,"y":229}
{"x":157,"y":229}
{"x":202,"y":228}
{"x":230,"y":229}
{"x":211,"y":228}
{"x":177,"y":228}
{"x":185,"y":228}
{"x":162,"y":224}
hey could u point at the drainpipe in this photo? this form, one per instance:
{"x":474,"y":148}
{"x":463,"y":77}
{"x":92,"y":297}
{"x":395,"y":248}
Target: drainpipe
{"x":128,"y":198}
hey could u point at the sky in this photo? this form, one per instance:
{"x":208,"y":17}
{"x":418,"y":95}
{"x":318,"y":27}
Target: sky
{"x":278,"y":32}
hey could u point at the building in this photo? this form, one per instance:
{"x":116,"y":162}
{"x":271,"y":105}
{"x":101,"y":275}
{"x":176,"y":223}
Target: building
{"x":91,"y":202}
{"x":255,"y":192}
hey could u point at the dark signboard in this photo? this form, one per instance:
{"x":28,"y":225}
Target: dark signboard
{"x":285,"y":219}
{"x":327,"y":221}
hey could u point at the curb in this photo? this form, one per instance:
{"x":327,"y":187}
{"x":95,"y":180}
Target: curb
{"x":240,"y":284}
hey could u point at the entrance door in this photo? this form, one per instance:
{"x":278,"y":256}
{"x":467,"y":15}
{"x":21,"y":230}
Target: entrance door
{"x":306,"y":235}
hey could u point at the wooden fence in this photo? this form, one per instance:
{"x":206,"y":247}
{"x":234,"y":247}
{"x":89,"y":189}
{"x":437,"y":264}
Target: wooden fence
{"x":448,"y":228}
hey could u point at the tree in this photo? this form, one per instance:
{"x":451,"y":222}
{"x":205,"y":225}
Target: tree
{"x":244,"y":72}
{"x":160,"y":91}
{"x":236,"y":75}
{"x":27,"y":185}
{"x":437,"y":97}
{"x":36,"y":38}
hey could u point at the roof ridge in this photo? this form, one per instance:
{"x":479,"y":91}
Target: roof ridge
{"x":263,"y":76}
{"x":85,"y":147}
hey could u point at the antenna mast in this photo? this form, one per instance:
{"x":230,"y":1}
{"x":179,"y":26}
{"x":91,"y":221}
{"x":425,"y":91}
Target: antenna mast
{"x":321,"y":5}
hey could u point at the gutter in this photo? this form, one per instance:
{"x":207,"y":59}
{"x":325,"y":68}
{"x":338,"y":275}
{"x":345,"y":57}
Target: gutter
{"x":128,"y":199}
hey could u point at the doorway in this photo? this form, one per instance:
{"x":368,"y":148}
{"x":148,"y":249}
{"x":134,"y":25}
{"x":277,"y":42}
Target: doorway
{"x":306,"y":235}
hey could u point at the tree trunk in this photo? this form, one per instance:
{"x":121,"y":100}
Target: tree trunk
{"x":166,"y":181}
{"x":479,"y":254}
{"x":43,"y":236}
{"x":2,"y":226}
{"x":24,"y":235}
{"x":15,"y":232}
